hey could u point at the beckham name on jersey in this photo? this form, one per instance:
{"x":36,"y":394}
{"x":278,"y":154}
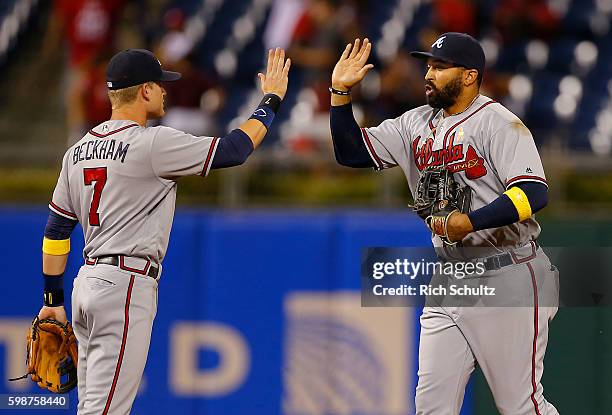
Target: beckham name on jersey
{"x":100,"y":150}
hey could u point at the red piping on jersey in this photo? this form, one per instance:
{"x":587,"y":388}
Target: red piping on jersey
{"x":122,"y":350}
{"x":377,"y":159}
{"x":59,"y":209}
{"x":432,"y":128}
{"x":535,"y":339}
{"x":92,"y":132}
{"x":531,"y":256}
{"x":209,"y":156}
{"x":527,"y":178}
{"x":465,"y":119}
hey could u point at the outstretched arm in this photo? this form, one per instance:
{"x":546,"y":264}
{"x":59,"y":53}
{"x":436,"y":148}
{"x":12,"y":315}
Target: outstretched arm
{"x":237,"y":146}
{"x":350,"y":70}
{"x":349,"y":148}
{"x":274,"y":86}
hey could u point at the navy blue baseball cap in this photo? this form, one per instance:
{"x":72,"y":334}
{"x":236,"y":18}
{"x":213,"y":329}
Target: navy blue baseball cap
{"x":459,"y":49}
{"x":134,"y":67}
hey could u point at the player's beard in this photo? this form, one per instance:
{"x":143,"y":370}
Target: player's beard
{"x":445,"y":97}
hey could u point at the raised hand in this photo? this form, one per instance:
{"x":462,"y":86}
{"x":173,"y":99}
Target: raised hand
{"x":352,"y":68}
{"x":277,"y":73}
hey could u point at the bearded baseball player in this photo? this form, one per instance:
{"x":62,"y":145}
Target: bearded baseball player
{"x":491,"y":155}
{"x":120,"y":181}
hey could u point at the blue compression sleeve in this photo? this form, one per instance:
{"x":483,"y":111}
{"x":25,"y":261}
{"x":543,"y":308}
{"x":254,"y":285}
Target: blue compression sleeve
{"x":502,"y":212}
{"x":232,"y":150}
{"x":59,"y":227}
{"x":349,"y":148}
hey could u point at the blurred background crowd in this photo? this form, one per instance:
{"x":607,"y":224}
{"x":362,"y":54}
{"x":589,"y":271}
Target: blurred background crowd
{"x":549,"y":61}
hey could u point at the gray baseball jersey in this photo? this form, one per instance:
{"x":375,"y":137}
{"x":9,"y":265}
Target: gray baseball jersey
{"x":119,"y":181}
{"x":487,"y":147}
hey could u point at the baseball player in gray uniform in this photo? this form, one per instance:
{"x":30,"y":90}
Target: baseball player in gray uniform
{"x":491,"y":151}
{"x":120,"y":181}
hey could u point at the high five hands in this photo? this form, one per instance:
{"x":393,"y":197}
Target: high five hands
{"x":275,"y":80}
{"x":352,"y":68}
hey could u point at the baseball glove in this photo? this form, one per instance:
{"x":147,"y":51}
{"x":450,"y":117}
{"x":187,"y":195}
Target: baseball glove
{"x":51,"y":355}
{"x":437,"y":197}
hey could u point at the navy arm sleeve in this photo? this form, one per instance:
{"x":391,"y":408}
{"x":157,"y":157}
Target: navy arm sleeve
{"x":232,"y":150}
{"x":349,"y":148}
{"x":58,"y":227}
{"x":501,"y":211}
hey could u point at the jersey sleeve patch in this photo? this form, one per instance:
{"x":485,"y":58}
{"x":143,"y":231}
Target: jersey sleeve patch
{"x":62,"y":212}
{"x":209,"y":157}
{"x":524,"y":178}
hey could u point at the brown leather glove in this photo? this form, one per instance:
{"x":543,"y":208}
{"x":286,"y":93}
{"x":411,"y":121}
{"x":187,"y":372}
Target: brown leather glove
{"x":51,"y":355}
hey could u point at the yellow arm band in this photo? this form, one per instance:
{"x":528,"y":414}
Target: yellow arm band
{"x":56,"y":247}
{"x":520,"y":201}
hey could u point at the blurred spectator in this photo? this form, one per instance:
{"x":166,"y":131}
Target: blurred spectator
{"x":88,"y":28}
{"x":523,"y":19}
{"x":455,"y":16}
{"x":284,"y":16}
{"x":318,"y":39}
{"x":89,"y":98}
{"x":194,"y":99}
{"x":402,"y":87}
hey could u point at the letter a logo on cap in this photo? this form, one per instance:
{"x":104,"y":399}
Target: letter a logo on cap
{"x":438,"y":43}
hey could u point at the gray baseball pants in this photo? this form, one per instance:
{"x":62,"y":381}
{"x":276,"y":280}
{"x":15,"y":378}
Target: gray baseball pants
{"x":508,"y":343}
{"x":113,"y":312}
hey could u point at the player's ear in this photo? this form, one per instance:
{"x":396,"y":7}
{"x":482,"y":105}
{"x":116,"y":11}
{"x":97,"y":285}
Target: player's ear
{"x":470,"y":76}
{"x":145,"y":91}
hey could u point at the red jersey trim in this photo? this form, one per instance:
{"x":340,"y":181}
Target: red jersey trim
{"x":465,"y":119}
{"x":209,"y":157}
{"x":126,"y":325}
{"x":518,"y":179}
{"x":92,"y":132}
{"x":62,"y":212}
{"x":370,"y":147}
{"x":534,"y":384}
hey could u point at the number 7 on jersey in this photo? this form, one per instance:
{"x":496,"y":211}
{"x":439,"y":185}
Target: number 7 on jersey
{"x":97,"y":175}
